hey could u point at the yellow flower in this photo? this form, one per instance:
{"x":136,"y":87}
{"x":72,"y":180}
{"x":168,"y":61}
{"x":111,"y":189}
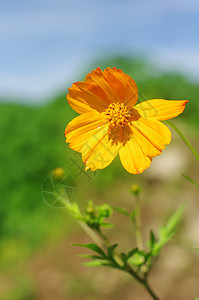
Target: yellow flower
{"x":111,"y":123}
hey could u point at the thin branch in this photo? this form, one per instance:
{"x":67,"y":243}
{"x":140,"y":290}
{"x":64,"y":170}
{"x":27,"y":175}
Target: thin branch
{"x":184,"y":139}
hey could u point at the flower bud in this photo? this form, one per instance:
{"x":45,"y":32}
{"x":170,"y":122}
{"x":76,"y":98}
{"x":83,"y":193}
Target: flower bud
{"x":135,"y":189}
{"x":57,"y":174}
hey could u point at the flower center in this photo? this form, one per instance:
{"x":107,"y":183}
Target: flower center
{"x":118,"y":114}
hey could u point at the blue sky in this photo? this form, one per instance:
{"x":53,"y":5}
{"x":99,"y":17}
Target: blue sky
{"x":46,"y":44}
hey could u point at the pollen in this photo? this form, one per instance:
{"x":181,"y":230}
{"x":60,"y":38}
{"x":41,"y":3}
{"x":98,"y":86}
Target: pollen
{"x":118,"y":114}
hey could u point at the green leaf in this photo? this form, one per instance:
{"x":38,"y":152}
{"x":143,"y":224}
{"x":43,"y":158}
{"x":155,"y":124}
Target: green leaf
{"x":125,"y":257}
{"x":121,"y":211}
{"x":132,"y":252}
{"x":93,"y":247}
{"x":195,"y":248}
{"x":166,"y":232}
{"x":97,"y":263}
{"x":111,"y":250}
{"x":118,"y":260}
{"x":152,"y":240}
{"x":89,"y":256}
{"x":191,"y":180}
{"x":94,"y":216}
{"x":137,"y":259}
{"x":132,"y":215}
{"x":104,"y":210}
{"x":107,"y":225}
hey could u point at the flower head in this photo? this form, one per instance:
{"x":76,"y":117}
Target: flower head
{"x":111,"y":122}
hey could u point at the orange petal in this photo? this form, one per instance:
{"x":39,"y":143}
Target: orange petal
{"x":82,"y":128}
{"x":151,"y":135}
{"x":161,"y":109}
{"x":85,"y":97}
{"x":99,"y":151}
{"x":133,"y":159}
{"x":119,"y":86}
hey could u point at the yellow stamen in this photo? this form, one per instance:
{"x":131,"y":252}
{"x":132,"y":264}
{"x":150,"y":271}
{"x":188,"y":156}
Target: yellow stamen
{"x":118,"y":114}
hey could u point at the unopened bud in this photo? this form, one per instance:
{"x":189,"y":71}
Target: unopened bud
{"x":58,"y":173}
{"x":135,"y":189}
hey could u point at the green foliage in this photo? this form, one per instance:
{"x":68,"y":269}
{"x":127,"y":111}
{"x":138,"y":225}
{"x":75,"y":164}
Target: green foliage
{"x":196,"y":248}
{"x":111,"y":250}
{"x":95,"y":215}
{"x":126,"y":213}
{"x":122,"y":211}
{"x":152,"y":241}
{"x":98,"y":263}
{"x":32,"y":144}
{"x":126,"y":256}
{"x":166,"y":232}
{"x":138,"y":258}
{"x":136,"y":261}
{"x":103,"y":259}
{"x":92,"y":247}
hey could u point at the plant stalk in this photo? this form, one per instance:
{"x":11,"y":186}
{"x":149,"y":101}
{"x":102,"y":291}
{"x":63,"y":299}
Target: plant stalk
{"x":184,"y":139}
{"x":144,"y":282}
{"x":95,"y":236}
{"x":138,"y":226}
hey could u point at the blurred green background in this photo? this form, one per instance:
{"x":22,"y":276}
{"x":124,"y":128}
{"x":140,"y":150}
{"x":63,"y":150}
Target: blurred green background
{"x":37,"y":260}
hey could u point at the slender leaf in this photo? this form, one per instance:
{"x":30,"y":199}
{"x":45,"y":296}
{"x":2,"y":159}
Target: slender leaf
{"x":93,"y":247}
{"x":118,"y":260}
{"x":121,"y":211}
{"x":125,"y":257}
{"x":132,"y":215}
{"x":107,"y":225}
{"x":90,"y":256}
{"x":97,"y":263}
{"x":191,"y":180}
{"x":152,"y":240}
{"x":166,"y":232}
{"x":196,"y":248}
{"x":111,"y":250}
{"x":132,"y":252}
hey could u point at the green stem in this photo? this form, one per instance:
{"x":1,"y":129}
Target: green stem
{"x":144,"y":282}
{"x":138,"y":226}
{"x":184,"y":139}
{"x":191,"y":180}
{"x":151,"y":292}
{"x":95,"y":236}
